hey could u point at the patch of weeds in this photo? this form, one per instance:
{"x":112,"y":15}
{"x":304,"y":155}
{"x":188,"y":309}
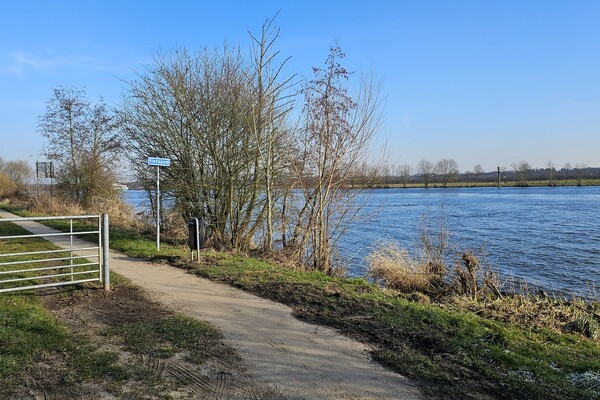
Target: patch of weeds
{"x":166,"y":336}
{"x":26,"y":331}
{"x":90,"y":364}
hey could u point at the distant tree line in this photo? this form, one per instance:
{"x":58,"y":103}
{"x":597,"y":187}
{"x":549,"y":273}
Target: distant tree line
{"x":521,"y":172}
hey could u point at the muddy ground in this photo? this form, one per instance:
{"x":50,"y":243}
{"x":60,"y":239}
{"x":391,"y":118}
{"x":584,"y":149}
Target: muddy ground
{"x":92,"y":316}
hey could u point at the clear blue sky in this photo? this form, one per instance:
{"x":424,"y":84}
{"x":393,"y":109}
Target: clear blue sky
{"x":488,"y":82}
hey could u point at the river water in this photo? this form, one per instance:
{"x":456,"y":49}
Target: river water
{"x":546,"y":237}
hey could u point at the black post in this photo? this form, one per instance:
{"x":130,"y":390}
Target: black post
{"x":498,"y":176}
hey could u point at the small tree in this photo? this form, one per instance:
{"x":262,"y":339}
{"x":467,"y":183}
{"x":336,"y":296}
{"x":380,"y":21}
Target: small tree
{"x":447,"y":169}
{"x":478,"y":170}
{"x":566,"y":170}
{"x":82,"y":139}
{"x":7,"y":187}
{"x":19,"y":172}
{"x":522,"y":169}
{"x":425,"y":169}
{"x":335,"y":140}
{"x":404,"y":172}
{"x":272,"y":102}
{"x":551,"y":172}
{"x":579,"y":172}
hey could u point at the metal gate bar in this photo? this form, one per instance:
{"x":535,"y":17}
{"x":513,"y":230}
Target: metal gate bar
{"x":100,"y":253}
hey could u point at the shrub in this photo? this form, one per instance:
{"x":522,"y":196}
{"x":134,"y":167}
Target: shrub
{"x":7,"y":187}
{"x":397,"y":269}
{"x":46,"y":205}
{"x":471,"y":280}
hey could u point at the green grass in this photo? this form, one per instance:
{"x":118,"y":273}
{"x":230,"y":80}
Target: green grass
{"x":28,"y":332}
{"x":165,"y":337}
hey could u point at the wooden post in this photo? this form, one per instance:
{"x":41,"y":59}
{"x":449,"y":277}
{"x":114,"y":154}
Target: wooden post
{"x":498,"y":176}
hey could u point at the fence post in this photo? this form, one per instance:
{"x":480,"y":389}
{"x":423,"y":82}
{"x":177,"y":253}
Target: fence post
{"x":105,"y":259}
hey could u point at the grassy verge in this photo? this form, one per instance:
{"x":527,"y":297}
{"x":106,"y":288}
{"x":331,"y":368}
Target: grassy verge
{"x":29,"y":333}
{"x":83,"y":342}
{"x":135,"y":244}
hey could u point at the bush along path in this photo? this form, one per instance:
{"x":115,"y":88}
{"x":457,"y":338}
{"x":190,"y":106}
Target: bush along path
{"x":297,"y":359}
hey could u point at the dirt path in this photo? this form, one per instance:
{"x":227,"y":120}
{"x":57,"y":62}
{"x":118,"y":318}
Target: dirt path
{"x":301,"y":360}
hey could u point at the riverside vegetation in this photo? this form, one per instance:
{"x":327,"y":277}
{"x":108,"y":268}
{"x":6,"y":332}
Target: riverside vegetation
{"x":448,"y":328}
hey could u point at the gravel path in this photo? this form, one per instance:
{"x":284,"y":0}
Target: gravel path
{"x":301,"y":360}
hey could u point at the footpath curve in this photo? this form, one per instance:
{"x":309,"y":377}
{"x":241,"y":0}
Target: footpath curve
{"x":303,"y":361}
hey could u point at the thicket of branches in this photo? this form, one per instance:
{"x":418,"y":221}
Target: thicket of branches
{"x":14,"y":177}
{"x":238,"y":161}
{"x":82,"y":139}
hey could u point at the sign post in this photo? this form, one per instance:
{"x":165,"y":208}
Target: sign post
{"x":158,"y":162}
{"x":45,"y":169}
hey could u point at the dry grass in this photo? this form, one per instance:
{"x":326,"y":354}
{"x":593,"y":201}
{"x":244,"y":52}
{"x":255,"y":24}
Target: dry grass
{"x":121,"y":214}
{"x":7,"y":187}
{"x":472,"y":280}
{"x":474,"y":287}
{"x":397,"y":269}
{"x":46,"y":205}
{"x":557,"y":314}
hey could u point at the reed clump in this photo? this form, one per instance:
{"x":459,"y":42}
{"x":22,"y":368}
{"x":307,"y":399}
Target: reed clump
{"x":474,"y":287}
{"x":121,"y":214}
{"x":397,"y":269}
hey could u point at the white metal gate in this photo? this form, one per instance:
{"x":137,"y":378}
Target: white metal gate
{"x":77,"y":262}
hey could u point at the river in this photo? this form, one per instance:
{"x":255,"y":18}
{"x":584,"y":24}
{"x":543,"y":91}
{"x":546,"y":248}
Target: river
{"x":546,"y":237}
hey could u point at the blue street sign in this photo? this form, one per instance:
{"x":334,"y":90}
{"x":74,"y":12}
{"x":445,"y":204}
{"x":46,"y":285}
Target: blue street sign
{"x":160,"y":162}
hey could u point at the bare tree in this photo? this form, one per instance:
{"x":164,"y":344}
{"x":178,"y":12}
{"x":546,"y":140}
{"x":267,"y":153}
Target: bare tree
{"x":404,"y":172}
{"x":220,"y":117}
{"x":447,"y":169}
{"x":579,"y":172}
{"x":82,"y":139}
{"x":338,"y":131}
{"x":551,"y":172}
{"x":522,"y":169}
{"x":272,"y":103}
{"x":567,"y":169}
{"x":425,"y":169}
{"x":478,"y":170}
{"x":195,"y":109}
